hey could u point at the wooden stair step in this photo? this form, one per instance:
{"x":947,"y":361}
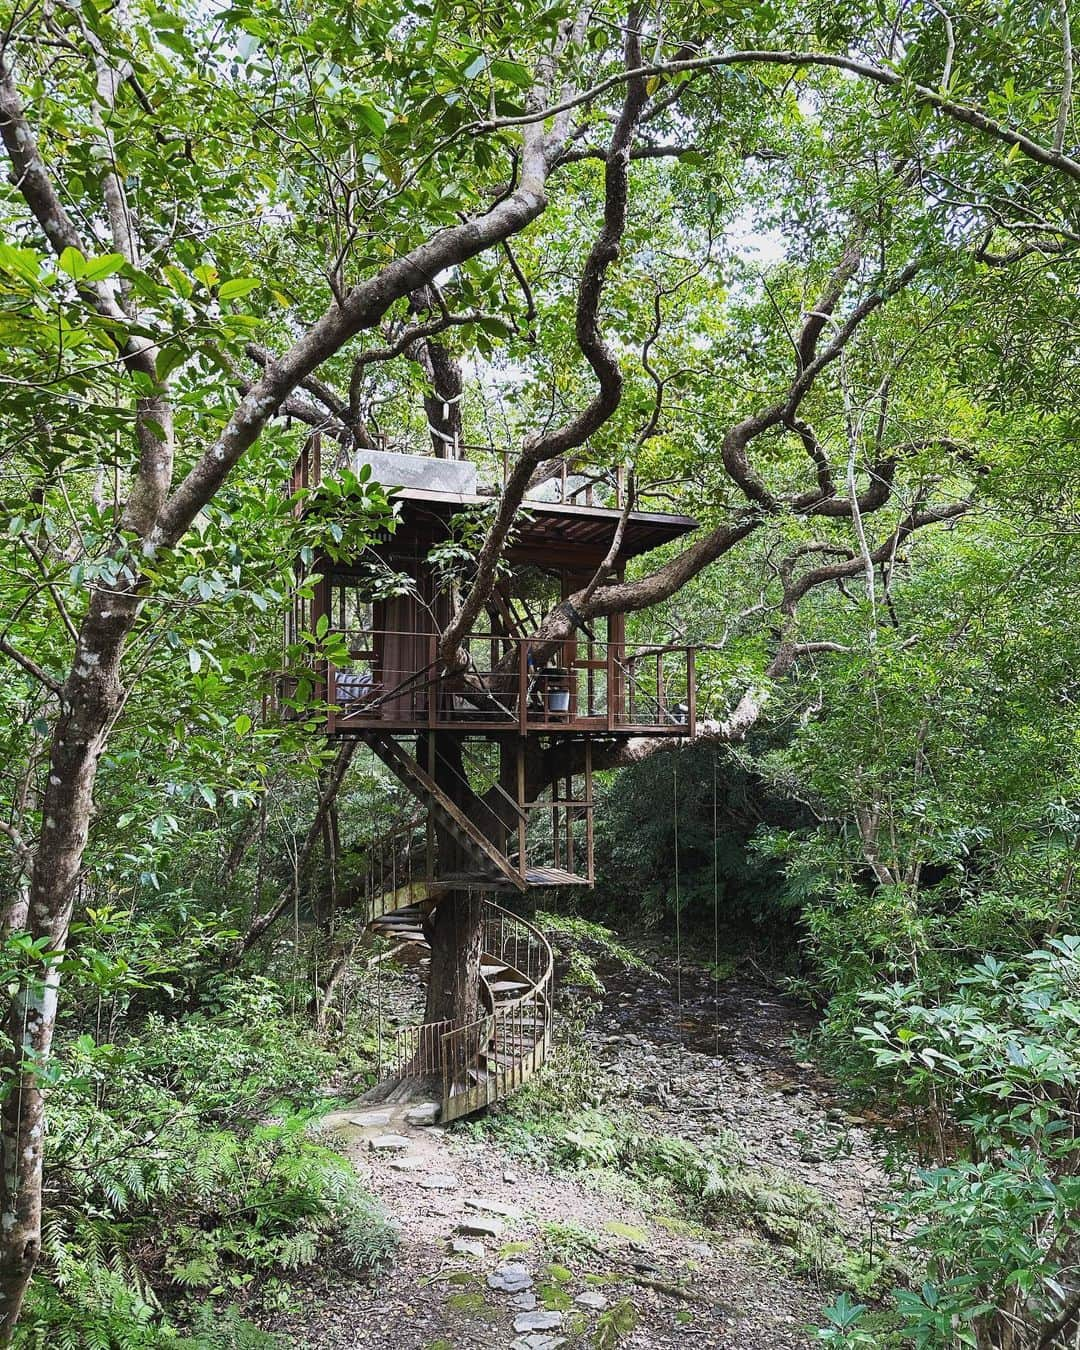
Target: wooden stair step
{"x":515,"y":1044}
{"x":507,"y":986}
{"x":411,"y":914}
{"x":500,"y":1060}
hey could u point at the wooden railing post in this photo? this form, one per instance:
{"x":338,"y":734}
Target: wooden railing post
{"x":589,"y":870}
{"x":433,"y":684}
{"x":522,"y":823}
{"x":691,"y":689}
{"x":523,"y":687}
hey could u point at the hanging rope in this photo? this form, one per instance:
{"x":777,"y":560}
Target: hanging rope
{"x":715,"y":907}
{"x":678,"y":902}
{"x":371,"y":915}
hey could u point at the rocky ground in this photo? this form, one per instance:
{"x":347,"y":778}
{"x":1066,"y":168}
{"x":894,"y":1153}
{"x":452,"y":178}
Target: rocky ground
{"x":696,"y":1058}
{"x":506,"y":1255}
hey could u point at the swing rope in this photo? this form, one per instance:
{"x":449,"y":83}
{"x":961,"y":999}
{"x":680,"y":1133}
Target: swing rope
{"x":371,"y":913}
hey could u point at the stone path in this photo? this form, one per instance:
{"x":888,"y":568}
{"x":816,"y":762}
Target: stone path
{"x":488,"y":1260}
{"x":476,"y":1271}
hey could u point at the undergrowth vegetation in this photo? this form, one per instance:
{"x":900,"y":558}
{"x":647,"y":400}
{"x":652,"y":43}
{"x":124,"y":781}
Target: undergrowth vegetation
{"x":184,"y":1186}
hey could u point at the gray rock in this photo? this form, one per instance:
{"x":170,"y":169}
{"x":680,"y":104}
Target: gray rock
{"x":439,"y":1181}
{"x":406,"y":1164}
{"x":467,"y":1247}
{"x":538,"y":1342}
{"x":596,"y":1302}
{"x":525,"y":1302}
{"x":479,"y":1225}
{"x":493,"y":1207}
{"x":538,"y":1321}
{"x":423,"y":1113}
{"x":511,"y":1178}
{"x":509,"y":1278}
{"x":390,"y":1143}
{"x":368,"y":1118}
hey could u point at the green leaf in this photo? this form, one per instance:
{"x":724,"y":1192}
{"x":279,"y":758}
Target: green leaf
{"x":369,"y":118}
{"x":238,"y":286}
{"x":242,"y":725}
{"x":97,"y":269}
{"x":194,"y":661}
{"x":169,"y":359}
{"x":73,"y":263}
{"x":179,"y":280}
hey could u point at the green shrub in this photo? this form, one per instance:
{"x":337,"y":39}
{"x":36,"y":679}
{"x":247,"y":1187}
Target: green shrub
{"x":995,"y":1072}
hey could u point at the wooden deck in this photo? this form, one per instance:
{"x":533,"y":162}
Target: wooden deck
{"x":358,"y":723}
{"x":553,"y":876}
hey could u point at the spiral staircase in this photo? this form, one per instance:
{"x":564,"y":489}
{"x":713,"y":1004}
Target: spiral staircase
{"x":506,"y":1045}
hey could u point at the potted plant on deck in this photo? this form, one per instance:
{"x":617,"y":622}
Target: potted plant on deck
{"x":556,"y":684}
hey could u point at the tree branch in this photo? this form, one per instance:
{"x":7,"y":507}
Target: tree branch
{"x":31,"y":667}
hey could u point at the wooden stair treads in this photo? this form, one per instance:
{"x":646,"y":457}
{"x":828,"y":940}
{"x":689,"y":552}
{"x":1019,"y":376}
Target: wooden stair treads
{"x":515,"y":1035}
{"x":502,"y":1060}
{"x":471,"y":839}
{"x":404,"y":897}
{"x":408,"y":915}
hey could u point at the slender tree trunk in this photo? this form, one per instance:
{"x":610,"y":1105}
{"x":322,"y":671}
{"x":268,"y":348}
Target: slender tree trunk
{"x":90,"y":700}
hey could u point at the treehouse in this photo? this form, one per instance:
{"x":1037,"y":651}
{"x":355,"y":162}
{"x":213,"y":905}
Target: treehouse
{"x":496,"y":745}
{"x":390,"y":607}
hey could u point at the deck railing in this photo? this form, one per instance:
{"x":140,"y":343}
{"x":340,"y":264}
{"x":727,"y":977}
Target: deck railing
{"x":396,"y":680}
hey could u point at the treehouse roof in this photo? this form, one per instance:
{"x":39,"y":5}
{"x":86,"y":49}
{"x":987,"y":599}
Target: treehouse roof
{"x":560,"y":531}
{"x":430,"y":491}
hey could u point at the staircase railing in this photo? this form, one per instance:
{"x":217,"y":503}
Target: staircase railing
{"x":488,"y":1058}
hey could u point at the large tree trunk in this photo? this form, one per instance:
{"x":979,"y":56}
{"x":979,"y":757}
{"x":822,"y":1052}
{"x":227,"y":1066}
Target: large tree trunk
{"x":456,"y":937}
{"x":456,"y":928}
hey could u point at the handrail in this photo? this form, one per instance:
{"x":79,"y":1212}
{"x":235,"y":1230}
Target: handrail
{"x":615,"y":686}
{"x":541,"y":942}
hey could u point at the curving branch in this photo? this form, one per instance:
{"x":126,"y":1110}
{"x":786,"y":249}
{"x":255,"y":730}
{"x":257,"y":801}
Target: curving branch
{"x":962,"y":113}
{"x":601,"y":358}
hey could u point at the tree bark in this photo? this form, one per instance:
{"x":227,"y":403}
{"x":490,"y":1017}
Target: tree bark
{"x":456,"y":937}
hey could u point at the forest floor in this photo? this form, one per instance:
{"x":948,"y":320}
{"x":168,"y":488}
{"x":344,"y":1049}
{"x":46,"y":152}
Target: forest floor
{"x":576,"y":1257}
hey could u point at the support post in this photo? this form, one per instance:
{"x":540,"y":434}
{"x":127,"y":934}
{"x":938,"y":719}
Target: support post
{"x":589,"y":869}
{"x":522,"y":826}
{"x":523,"y":689}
